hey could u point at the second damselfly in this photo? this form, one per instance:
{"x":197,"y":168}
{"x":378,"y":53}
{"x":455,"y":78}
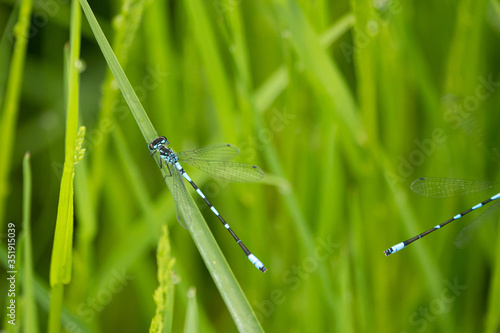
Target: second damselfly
{"x":446,"y":187}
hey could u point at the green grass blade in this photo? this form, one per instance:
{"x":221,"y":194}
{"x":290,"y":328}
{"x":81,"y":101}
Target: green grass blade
{"x":56,"y":303}
{"x":11,"y":102}
{"x":340,"y":27}
{"x":192,"y":320}
{"x":30,"y":318}
{"x":492,"y":316}
{"x":5,"y":50}
{"x":63,"y":239}
{"x":62,"y":251}
{"x":267,"y":93}
{"x":229,"y":288}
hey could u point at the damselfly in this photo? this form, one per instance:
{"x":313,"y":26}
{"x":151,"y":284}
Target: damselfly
{"x":214,"y":160}
{"x":446,"y":187}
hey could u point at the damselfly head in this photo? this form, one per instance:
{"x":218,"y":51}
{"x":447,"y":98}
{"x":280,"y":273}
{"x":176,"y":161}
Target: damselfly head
{"x":157,"y":142}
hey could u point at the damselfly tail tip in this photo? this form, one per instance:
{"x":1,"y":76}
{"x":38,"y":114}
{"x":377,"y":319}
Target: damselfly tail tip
{"x":257,"y":263}
{"x":394,"y":249}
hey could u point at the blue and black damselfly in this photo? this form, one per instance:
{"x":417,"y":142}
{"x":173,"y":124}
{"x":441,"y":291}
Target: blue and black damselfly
{"x":446,"y":187}
{"x":213,"y":160}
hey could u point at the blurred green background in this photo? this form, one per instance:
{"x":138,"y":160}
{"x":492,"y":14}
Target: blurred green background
{"x":342,"y":104}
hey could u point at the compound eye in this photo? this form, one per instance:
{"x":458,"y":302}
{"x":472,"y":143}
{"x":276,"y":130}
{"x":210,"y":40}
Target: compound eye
{"x":151,"y":146}
{"x":163,"y":139}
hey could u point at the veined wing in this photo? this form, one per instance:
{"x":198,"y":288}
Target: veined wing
{"x":471,"y":229}
{"x":435,"y":187}
{"x":181,"y":198}
{"x":230,"y":171}
{"x":216,"y":152}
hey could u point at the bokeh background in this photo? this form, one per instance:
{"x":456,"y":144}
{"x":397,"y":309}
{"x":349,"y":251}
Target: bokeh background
{"x":342,"y":104}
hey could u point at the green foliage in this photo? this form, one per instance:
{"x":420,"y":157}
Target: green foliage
{"x":11,"y":96}
{"x":61,"y":264}
{"x":342,"y":104}
{"x":30,"y":315}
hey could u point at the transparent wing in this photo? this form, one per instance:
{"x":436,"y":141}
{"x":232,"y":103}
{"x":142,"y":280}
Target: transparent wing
{"x":181,"y":198}
{"x":230,"y":171}
{"x":471,"y":229}
{"x":216,"y":152}
{"x":450,"y":187}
